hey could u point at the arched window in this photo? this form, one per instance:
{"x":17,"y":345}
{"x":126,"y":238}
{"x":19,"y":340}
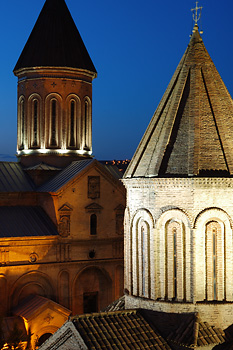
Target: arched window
{"x":93,"y":224}
{"x":86,"y":122}
{"x":22,"y":118}
{"x":174,"y":260}
{"x":53,"y":122}
{"x":35,"y":123}
{"x":72,"y":123}
{"x":215,"y":261}
{"x":143,"y":238}
{"x":143,"y":257}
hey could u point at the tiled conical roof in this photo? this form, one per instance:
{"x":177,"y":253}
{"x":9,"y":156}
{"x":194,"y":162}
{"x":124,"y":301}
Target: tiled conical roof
{"x":191,"y":132}
{"x":55,"y":41}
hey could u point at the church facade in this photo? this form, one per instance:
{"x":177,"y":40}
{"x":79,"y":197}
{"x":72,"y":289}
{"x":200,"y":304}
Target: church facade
{"x":61,"y":211}
{"x":178,"y":221}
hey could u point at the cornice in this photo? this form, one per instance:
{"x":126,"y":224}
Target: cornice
{"x":220,"y":182}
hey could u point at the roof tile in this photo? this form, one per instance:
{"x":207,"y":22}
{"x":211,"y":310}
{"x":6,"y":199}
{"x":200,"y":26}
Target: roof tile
{"x":118,"y":330}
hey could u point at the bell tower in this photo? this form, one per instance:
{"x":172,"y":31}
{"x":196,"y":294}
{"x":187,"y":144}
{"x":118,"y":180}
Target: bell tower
{"x":55,"y":74}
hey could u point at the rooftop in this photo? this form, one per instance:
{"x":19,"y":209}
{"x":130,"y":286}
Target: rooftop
{"x":55,"y":41}
{"x":191,"y":132}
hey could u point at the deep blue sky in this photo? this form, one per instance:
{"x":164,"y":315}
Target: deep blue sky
{"x":135,"y":46}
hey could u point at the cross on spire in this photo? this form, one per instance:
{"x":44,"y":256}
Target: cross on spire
{"x":196,"y":14}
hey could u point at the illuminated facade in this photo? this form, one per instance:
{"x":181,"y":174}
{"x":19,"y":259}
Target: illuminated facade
{"x":178,"y":222}
{"x":61,"y":211}
{"x":55,"y":74}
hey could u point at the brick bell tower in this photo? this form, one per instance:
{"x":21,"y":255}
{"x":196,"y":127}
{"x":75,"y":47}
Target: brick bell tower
{"x":55,"y":74}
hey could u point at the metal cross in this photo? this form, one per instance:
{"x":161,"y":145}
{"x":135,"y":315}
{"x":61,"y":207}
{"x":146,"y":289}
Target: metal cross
{"x":196,"y":16}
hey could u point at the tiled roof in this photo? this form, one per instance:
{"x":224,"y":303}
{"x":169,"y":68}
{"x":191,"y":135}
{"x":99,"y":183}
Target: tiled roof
{"x":55,"y":41}
{"x":13,"y":178}
{"x":191,"y":132}
{"x":25,"y":221}
{"x":65,"y":176}
{"x":183,"y":329}
{"x":197,"y":333}
{"x":117,"y":305}
{"x":118,"y":330}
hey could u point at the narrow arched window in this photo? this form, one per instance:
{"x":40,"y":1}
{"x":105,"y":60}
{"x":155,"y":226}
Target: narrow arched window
{"x":53,"y":122}
{"x":214,"y":265}
{"x":93,"y":224}
{"x":35,"y":119}
{"x":175,"y":261}
{"x":215,"y":261}
{"x":86,"y":123}
{"x":143,"y":238}
{"x":72,"y":115}
{"x":22,"y":115}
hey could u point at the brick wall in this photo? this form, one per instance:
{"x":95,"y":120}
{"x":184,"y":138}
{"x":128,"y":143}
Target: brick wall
{"x":189,"y":255}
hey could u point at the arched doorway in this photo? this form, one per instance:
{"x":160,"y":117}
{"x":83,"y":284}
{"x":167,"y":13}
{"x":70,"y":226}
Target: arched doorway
{"x":92,"y":291}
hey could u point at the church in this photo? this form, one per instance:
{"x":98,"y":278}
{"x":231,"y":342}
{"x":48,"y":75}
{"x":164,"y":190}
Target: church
{"x":177,"y":226}
{"x":61,"y":211}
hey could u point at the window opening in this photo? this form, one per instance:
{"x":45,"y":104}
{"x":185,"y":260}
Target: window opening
{"x":86,"y":122}
{"x":214,"y":264}
{"x":22,"y":123}
{"x":53,"y":122}
{"x":215,"y":261}
{"x":143,"y":261}
{"x":175,"y":261}
{"x":93,"y":224}
{"x":72,"y":105}
{"x":35,"y":117}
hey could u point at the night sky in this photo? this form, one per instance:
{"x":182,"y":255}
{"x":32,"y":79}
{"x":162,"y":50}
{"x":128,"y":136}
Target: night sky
{"x":135,"y":47}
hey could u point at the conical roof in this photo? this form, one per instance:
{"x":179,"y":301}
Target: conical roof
{"x":191,"y":132}
{"x":55,"y":41}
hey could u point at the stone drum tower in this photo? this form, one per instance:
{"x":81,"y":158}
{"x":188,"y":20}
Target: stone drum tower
{"x":178,"y":242}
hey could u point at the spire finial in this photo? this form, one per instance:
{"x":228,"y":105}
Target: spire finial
{"x":196,"y":14}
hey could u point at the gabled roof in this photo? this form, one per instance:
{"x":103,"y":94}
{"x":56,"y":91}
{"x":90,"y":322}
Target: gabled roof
{"x":25,"y":221}
{"x":42,"y":166}
{"x":13,"y":178}
{"x":73,"y":170}
{"x":191,"y":132}
{"x":118,"y":330}
{"x":184,"y":330}
{"x":55,"y":41}
{"x":65,"y":176}
{"x":196,"y":333}
{"x":116,"y":305}
{"x":34,"y":304}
